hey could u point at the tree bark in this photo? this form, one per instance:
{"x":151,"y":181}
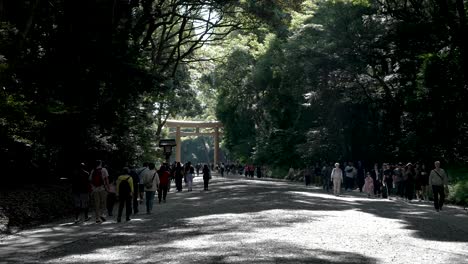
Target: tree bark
{"x":463,"y":43}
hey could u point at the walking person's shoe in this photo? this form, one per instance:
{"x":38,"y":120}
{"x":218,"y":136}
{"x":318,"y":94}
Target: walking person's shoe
{"x":103,"y":219}
{"x":128,"y":219}
{"x":87,"y":218}
{"x":119,"y":220}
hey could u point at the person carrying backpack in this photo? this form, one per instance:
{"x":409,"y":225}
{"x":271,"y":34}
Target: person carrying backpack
{"x":99,"y":180}
{"x":136,"y":189}
{"x":151,"y":183}
{"x":125,"y":192}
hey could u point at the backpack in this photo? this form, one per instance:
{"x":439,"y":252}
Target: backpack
{"x":149,"y":185}
{"x":96,"y":178}
{"x":124,"y":187}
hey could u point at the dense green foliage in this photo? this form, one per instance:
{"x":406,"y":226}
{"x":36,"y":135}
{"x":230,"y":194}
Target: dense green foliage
{"x":81,"y":80}
{"x":351,"y":80}
{"x":376,"y":81}
{"x":293,"y":81}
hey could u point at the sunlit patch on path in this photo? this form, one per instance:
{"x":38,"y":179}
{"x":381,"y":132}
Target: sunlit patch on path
{"x":249,"y":221}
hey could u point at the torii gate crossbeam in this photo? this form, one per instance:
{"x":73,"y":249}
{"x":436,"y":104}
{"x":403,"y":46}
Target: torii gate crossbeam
{"x":216,"y":125}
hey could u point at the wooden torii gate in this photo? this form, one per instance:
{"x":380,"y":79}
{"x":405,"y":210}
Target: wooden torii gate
{"x":215,"y":125}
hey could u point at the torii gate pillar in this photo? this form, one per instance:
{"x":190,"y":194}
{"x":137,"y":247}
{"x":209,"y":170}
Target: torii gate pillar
{"x":178,"y":146}
{"x":216,"y":146}
{"x":215,"y":125}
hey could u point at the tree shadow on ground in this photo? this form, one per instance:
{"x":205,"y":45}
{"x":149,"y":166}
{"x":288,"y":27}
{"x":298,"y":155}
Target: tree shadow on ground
{"x":229,"y":209}
{"x":243,"y":199}
{"x":451,"y":224}
{"x":448,"y":225}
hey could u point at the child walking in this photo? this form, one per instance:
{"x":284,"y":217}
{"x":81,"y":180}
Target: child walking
{"x":368,"y":185}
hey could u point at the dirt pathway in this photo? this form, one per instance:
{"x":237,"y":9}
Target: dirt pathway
{"x":250,"y":221}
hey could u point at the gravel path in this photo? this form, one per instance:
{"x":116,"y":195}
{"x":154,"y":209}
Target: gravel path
{"x":256,"y":221}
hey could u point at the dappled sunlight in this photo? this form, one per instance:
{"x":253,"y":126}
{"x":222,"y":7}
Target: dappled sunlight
{"x":254,"y":237}
{"x":115,"y":254}
{"x":194,"y":198}
{"x":246,"y":222}
{"x":329,"y":196}
{"x":43,"y":238}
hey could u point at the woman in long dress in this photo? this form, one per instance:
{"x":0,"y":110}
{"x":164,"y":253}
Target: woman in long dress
{"x":368,"y":185}
{"x":337,"y":179}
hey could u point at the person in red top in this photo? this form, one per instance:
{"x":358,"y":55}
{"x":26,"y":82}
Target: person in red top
{"x":164,"y":175}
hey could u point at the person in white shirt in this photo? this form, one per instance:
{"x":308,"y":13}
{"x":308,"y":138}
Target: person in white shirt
{"x":438,"y":179}
{"x":337,"y":179}
{"x":189,"y":171}
{"x":151,"y":182}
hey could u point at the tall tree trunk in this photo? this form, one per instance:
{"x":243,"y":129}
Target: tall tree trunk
{"x":463,"y":43}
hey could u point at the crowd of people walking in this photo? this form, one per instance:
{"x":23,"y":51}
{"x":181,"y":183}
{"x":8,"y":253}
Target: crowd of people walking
{"x":129,"y":187}
{"x":408,"y":181}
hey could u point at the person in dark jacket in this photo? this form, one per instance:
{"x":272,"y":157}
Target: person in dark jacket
{"x":387,"y":181}
{"x":409,"y":176}
{"x":125,"y":191}
{"x":136,"y":189}
{"x":179,"y":175}
{"x":206,"y":177}
{"x":307,"y":176}
{"x":377,"y":176}
{"x":259,"y":171}
{"x":80,"y":190}
{"x":361,"y":175}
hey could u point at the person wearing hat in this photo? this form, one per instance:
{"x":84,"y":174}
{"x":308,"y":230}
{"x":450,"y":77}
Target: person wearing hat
{"x":337,"y":179}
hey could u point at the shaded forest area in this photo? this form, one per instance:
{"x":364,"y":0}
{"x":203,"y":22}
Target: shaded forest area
{"x":294,"y":82}
{"x":375,"y":81}
{"x":97,"y":79}
{"x":91,"y":79}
